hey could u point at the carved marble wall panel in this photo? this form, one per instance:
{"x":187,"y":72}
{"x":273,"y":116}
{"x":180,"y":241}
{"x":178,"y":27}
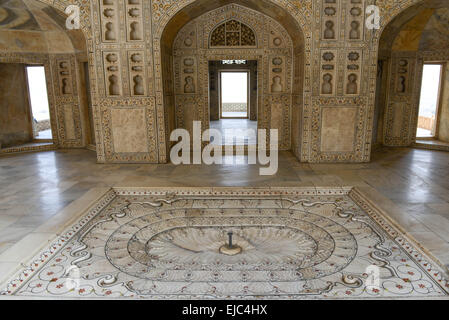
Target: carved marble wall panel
{"x":68,"y":101}
{"x":64,"y":76}
{"x":137,"y":74}
{"x":125,"y":72}
{"x":109,"y":20}
{"x":134,"y":22}
{"x":129,"y":130}
{"x":139,"y":125}
{"x":338,"y":129}
{"x":110,"y":16}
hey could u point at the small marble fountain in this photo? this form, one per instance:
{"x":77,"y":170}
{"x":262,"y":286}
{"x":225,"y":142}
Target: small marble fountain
{"x":229,"y":248}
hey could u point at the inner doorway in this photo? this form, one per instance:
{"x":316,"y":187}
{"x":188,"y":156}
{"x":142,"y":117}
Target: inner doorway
{"x":428,"y":105}
{"x":234,"y":94}
{"x":233,"y":100}
{"x":40,"y":110}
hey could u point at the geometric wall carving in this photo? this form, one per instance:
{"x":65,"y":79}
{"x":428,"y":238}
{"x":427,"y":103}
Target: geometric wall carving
{"x":254,"y":37}
{"x":328,"y":72}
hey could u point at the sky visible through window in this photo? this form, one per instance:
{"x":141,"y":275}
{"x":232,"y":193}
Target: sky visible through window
{"x":38,"y":93}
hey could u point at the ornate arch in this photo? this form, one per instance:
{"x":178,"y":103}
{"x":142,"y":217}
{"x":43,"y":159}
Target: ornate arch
{"x":272,"y":48}
{"x":87,"y":27}
{"x":61,"y":103}
{"x":164,"y":13}
{"x":85,"y":13}
{"x":165,"y":10}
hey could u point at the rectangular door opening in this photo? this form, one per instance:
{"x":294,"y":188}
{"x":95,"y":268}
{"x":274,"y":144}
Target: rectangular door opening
{"x":40,"y":110}
{"x":234,"y":95}
{"x":428,"y":105}
{"x":233,"y":100}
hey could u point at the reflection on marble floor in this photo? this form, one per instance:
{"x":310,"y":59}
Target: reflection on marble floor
{"x":296,"y":243}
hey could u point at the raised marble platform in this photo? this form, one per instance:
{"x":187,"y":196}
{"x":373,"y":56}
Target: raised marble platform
{"x":297,"y":243}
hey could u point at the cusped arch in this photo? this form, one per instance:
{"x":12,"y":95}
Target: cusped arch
{"x":179,"y":12}
{"x":173,"y":18}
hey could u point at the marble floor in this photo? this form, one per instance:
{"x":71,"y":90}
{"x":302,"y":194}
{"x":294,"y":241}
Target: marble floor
{"x":231,"y":243}
{"x":412,"y":185}
{"x":224,"y":125}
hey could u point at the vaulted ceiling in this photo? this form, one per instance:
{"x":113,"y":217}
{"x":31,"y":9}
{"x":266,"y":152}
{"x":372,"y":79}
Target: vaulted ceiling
{"x":32,"y":26}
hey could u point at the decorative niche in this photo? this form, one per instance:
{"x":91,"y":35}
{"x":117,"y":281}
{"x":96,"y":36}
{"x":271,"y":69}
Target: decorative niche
{"x":330,"y":20}
{"x":112,"y":74}
{"x":355,"y":21}
{"x":134,"y":20}
{"x":137,"y":73}
{"x":353,"y":72}
{"x":65,"y":77}
{"x":328,"y":72}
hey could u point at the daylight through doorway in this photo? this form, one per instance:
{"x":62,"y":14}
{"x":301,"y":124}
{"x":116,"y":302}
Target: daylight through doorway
{"x":37,"y":86}
{"x":428,"y":105}
{"x":234,"y":94}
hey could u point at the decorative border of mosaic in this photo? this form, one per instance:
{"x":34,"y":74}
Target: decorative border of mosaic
{"x":428,"y":146}
{"x":26,"y":149}
{"x":420,"y":255}
{"x":46,"y":254}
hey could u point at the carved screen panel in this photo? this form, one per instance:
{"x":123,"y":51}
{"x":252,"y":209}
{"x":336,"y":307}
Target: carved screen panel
{"x":233,"y":33}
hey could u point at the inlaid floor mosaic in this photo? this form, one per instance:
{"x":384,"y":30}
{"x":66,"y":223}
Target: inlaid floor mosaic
{"x":296,"y":244}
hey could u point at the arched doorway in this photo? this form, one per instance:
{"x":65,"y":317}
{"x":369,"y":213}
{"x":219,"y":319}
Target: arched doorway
{"x":277,"y":49}
{"x":415,"y":38}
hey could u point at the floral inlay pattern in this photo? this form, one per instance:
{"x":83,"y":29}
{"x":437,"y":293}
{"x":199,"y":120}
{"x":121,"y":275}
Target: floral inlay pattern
{"x":295,"y":244}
